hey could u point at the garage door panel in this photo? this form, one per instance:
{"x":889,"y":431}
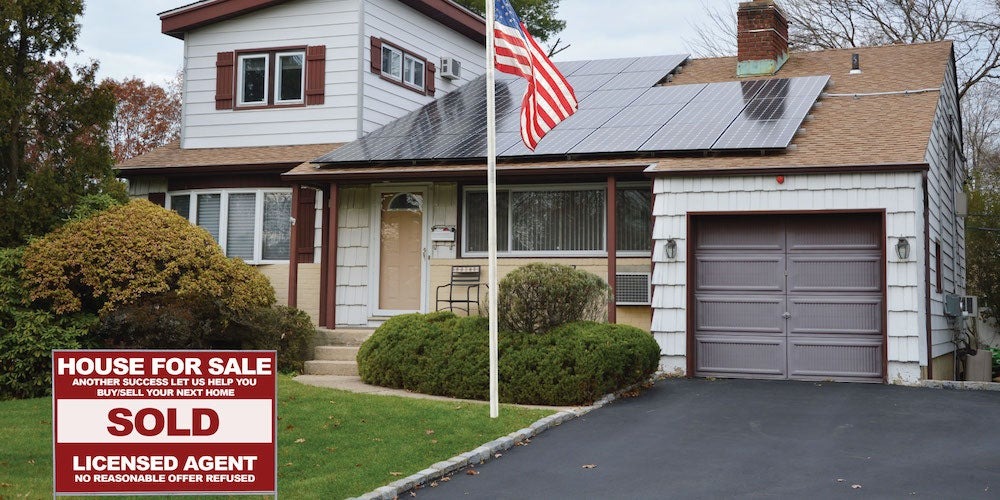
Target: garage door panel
{"x":842,"y":232}
{"x":740,"y":314}
{"x":754,"y":273}
{"x":734,"y":234}
{"x":834,"y":273}
{"x":757,"y":357}
{"x":835,"y":358}
{"x":835,"y":315}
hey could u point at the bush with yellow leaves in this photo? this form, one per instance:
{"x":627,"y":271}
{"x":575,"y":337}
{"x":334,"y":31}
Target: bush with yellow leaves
{"x":134,"y":251}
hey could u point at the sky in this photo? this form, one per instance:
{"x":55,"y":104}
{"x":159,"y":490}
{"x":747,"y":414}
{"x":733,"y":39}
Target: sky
{"x":124,"y":35}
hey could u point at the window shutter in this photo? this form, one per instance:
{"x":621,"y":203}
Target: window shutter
{"x":376,"y":55}
{"x":315,"y":74}
{"x":429,"y":78}
{"x":224,"y":80}
{"x":305,"y":225}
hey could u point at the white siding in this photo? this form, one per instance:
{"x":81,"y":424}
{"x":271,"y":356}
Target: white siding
{"x":899,"y":194}
{"x":444,"y":212}
{"x":333,"y":23}
{"x":403,"y":26}
{"x":944,"y":180}
{"x":353,"y":237}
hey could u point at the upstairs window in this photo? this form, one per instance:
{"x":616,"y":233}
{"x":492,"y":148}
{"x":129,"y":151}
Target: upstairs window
{"x":270,"y":78}
{"x":402,"y":67}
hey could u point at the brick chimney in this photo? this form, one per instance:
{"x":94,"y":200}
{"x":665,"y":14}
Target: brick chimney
{"x":761,"y":38}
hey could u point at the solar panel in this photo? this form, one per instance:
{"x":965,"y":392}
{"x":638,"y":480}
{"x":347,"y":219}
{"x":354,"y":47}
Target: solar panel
{"x":637,"y":80}
{"x":615,"y":139}
{"x":621,"y":110}
{"x":668,"y":95}
{"x":608,"y":67}
{"x":656,"y":62}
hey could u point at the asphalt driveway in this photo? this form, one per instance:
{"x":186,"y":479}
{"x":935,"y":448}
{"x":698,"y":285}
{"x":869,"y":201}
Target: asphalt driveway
{"x":758,"y":439}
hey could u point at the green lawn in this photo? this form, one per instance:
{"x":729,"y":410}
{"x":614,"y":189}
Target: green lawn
{"x":331,"y":444}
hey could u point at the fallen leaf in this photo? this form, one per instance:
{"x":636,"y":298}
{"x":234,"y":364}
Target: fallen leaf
{"x":290,"y":427}
{"x":458,"y":408}
{"x":445,"y":479}
{"x":434,"y":441}
{"x":413,"y":493}
{"x":289,"y":464}
{"x":32,"y":461}
{"x":472,"y":472}
{"x":839,"y":480}
{"x":856,"y":486}
{"x":434,"y":484}
{"x":300,"y":440}
{"x":357,"y":465}
{"x":396,"y":474}
{"x":498,"y":455}
{"x":377,"y":440}
{"x":5,"y":485}
{"x":331,"y":449}
{"x":429,"y":432}
{"x":589,"y":466}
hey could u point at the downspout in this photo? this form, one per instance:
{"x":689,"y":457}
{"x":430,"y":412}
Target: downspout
{"x":361,"y":69}
{"x":927,"y":279}
{"x":293,"y":251}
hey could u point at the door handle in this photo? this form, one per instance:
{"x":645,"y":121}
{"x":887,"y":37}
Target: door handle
{"x":786,"y":315}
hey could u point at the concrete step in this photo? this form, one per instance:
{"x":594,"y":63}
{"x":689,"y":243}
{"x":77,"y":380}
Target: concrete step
{"x":342,"y":336}
{"x":327,"y":367}
{"x":336,"y":353}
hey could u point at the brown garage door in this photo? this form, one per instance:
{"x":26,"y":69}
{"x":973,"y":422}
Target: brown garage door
{"x":789,"y":297}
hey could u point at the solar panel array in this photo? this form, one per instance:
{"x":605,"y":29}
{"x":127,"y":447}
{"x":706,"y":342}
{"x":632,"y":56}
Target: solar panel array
{"x":622,"y":109}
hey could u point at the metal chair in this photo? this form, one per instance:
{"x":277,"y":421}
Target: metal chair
{"x":462,"y":277}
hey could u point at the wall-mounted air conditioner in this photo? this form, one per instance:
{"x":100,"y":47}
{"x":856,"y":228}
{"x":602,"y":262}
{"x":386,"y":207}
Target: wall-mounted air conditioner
{"x":451,"y":68}
{"x":632,"y":289}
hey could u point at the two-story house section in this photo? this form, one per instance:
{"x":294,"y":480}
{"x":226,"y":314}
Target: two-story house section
{"x":269,"y":85}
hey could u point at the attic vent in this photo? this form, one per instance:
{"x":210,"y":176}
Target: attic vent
{"x":451,"y":68}
{"x":632,"y":289}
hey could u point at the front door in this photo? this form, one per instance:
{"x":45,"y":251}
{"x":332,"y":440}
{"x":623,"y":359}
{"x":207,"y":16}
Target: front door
{"x":401,"y":251}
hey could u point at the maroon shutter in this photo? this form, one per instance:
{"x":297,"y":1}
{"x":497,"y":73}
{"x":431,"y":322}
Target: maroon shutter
{"x":429,"y":78}
{"x":315,"y":74}
{"x":305,"y":225}
{"x":376,"y":55}
{"x":224,"y":81}
{"x":158,"y":198}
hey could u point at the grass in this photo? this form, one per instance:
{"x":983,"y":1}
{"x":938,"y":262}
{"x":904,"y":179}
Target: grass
{"x":331,"y":444}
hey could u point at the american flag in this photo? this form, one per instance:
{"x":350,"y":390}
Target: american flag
{"x":550,"y":98}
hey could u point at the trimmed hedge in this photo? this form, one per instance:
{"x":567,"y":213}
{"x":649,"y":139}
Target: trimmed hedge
{"x":541,"y":296}
{"x":129,"y":252}
{"x":442,"y":354}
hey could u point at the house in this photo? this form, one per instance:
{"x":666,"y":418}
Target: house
{"x":787,"y":215}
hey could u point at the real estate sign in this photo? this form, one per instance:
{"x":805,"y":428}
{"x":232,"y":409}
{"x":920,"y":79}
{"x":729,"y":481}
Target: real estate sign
{"x":140,"y":422}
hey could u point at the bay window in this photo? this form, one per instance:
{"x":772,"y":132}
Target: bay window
{"x":251,"y":224}
{"x":568,"y":221}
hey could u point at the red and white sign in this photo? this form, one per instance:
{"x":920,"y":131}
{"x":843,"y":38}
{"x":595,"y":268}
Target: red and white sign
{"x":134,"y":422}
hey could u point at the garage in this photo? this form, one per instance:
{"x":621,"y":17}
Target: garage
{"x":788,"y":296}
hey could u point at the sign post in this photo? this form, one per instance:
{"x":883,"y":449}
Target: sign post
{"x":144,"y":422}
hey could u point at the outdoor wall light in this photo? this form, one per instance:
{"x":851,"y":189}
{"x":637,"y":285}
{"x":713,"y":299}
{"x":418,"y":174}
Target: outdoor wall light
{"x":903,"y":249}
{"x":671,"y":248}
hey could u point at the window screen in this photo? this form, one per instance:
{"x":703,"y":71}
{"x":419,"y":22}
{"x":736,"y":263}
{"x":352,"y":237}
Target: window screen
{"x":208,"y":213}
{"x":277,"y":225}
{"x":239,"y":229}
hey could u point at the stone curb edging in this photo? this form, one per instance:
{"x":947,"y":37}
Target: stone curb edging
{"x":487,"y":451}
{"x":960,"y":385}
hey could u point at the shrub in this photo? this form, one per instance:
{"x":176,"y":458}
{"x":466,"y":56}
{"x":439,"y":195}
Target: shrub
{"x":125,"y":253}
{"x":538,"y":297}
{"x":442,"y":354}
{"x":27,"y":336}
{"x":172,"y":321}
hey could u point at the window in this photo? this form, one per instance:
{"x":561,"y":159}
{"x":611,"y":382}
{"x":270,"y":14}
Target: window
{"x":253,"y":80}
{"x":570,"y":221}
{"x":402,"y":67}
{"x":256,"y":86}
{"x":251,"y":224}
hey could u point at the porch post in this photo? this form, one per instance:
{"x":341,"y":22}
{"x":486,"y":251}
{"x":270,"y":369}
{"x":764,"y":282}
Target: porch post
{"x":293,"y":251}
{"x":612,"y":245}
{"x":331,"y":245}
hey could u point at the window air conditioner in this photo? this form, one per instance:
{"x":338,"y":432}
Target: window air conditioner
{"x":451,"y":68}
{"x":632,"y":289}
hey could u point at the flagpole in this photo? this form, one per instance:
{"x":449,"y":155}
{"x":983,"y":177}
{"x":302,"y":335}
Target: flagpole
{"x":491,"y":182}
